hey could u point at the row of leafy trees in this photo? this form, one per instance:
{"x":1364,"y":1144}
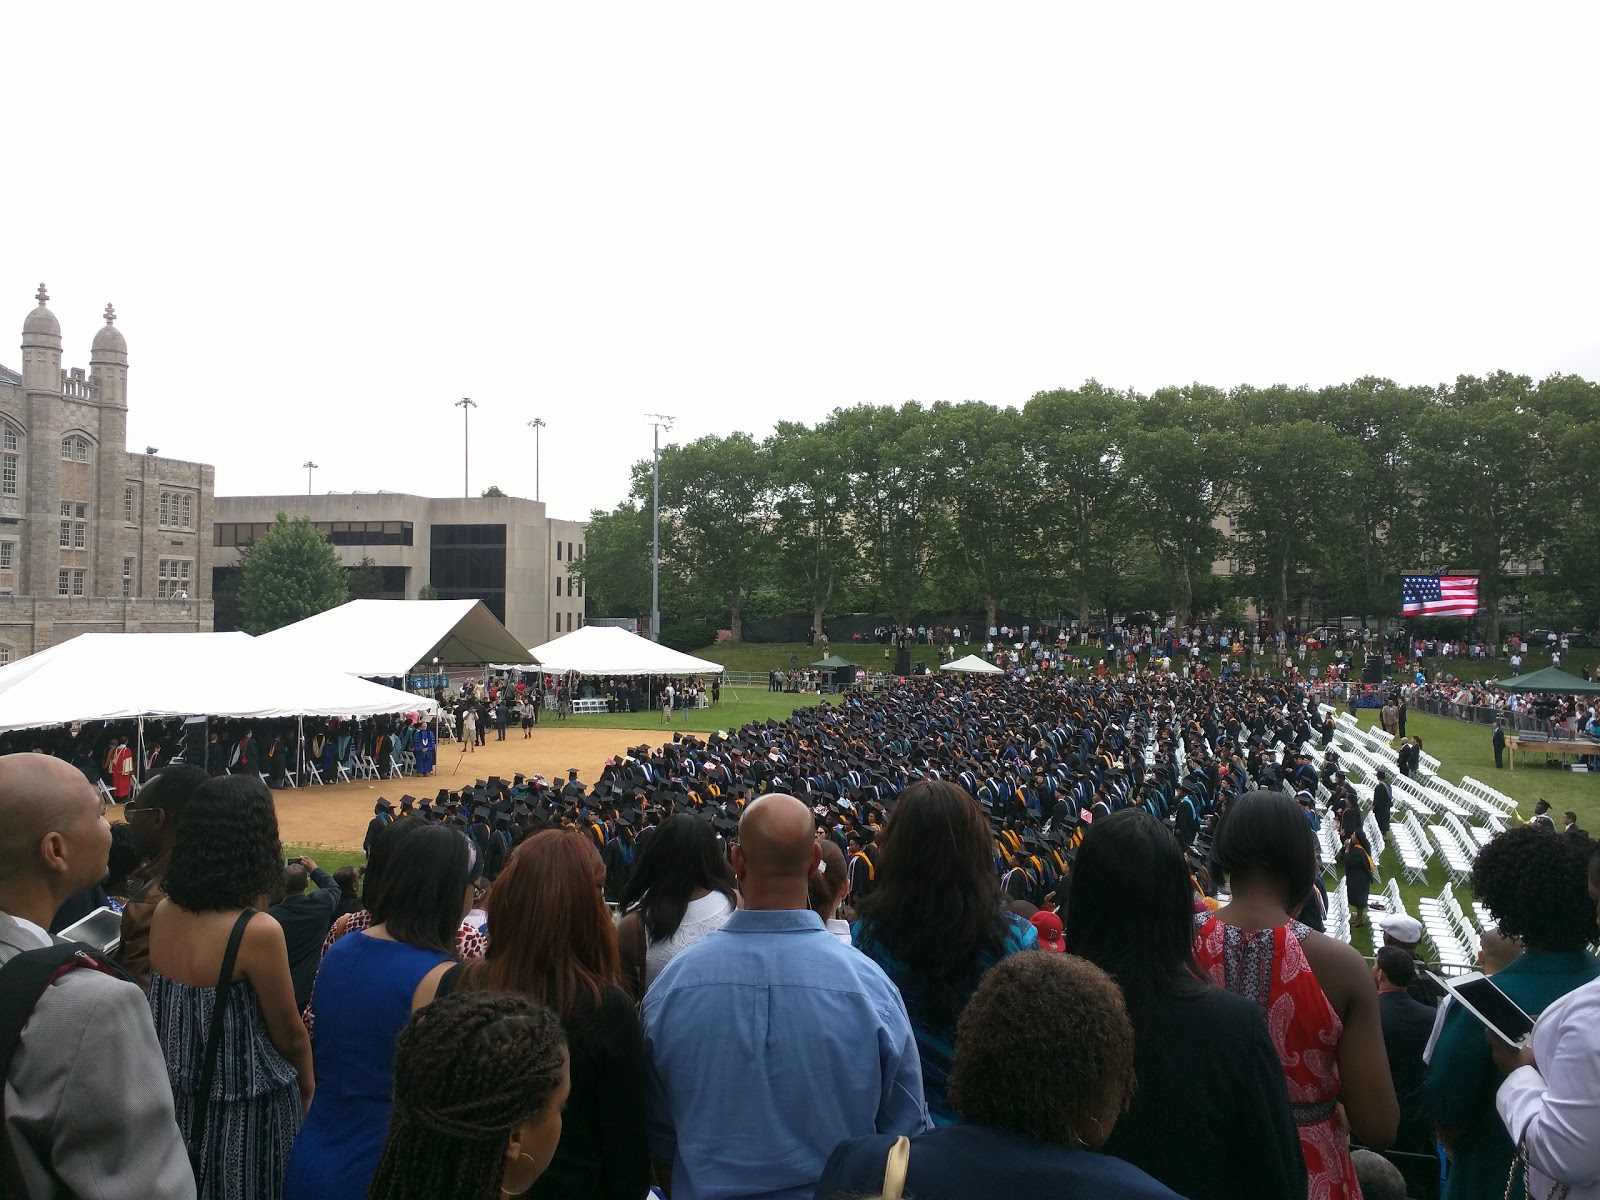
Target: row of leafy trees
{"x":1092,"y":500}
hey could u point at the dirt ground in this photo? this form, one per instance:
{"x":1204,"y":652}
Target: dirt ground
{"x":336,"y":815}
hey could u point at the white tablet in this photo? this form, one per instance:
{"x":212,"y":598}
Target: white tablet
{"x":101,"y":929}
{"x":1481,"y":997}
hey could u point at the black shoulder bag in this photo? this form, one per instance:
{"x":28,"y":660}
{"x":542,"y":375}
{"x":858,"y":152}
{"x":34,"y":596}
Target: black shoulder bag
{"x":208,"y":1064}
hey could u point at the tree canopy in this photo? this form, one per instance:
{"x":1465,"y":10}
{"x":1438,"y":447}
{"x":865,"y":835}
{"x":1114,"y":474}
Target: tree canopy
{"x":1188,"y":501}
{"x":291,"y":573}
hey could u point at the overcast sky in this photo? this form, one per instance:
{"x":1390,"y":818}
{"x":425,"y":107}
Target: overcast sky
{"x":323,"y":224}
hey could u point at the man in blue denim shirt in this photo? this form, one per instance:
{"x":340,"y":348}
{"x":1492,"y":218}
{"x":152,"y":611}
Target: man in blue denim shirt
{"x":770,"y":1041}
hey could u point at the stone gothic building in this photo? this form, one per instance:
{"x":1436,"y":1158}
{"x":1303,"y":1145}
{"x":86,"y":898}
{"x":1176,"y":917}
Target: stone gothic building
{"x":93,"y":539}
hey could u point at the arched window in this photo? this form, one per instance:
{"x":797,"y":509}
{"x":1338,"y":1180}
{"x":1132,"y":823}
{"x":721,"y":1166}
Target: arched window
{"x":5,"y":654}
{"x":130,"y":502}
{"x":75,"y":448}
{"x":10,"y":464}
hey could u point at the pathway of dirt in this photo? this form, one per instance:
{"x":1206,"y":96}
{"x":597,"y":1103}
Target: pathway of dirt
{"x":336,"y":815}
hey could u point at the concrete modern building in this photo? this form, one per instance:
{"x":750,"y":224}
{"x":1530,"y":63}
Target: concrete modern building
{"x":504,"y":551}
{"x":93,"y":539}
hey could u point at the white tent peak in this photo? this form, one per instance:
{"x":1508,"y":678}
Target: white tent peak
{"x":972,"y":665}
{"x":607,"y":650}
{"x":390,"y":638}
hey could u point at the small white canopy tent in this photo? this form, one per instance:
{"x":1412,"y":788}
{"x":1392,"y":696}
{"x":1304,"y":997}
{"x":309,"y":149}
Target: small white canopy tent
{"x":391,"y":638}
{"x":123,"y":676}
{"x":972,"y":665}
{"x":606,"y":650}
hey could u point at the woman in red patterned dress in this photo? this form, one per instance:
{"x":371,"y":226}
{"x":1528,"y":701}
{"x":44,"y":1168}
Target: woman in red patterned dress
{"x":1316,"y":993}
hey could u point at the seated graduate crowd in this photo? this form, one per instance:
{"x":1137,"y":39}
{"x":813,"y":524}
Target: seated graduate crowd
{"x":839,"y":971}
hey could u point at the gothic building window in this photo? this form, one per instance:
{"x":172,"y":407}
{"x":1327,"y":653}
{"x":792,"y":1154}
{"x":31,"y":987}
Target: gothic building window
{"x":75,"y":448}
{"x":177,"y":510}
{"x":74,"y":525}
{"x":172,"y":579}
{"x":130,"y":499}
{"x":10,"y":460}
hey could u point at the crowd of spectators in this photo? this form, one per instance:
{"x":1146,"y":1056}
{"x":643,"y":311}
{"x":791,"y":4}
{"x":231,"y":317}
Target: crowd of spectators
{"x":1033,"y":937}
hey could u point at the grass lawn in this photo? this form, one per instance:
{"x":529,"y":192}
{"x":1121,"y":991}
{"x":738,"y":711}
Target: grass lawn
{"x":1463,"y":749}
{"x":329,"y":860}
{"x":739,"y":706}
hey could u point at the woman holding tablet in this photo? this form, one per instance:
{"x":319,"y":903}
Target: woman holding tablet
{"x":1535,"y":884}
{"x":1550,"y":1100}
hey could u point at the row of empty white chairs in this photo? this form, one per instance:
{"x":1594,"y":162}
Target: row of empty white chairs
{"x":1453,"y":935}
{"x":1337,"y":920}
{"x":1457,"y":858}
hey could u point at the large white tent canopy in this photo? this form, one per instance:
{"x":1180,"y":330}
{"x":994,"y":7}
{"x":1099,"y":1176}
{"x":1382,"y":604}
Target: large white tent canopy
{"x":607,"y":650}
{"x":121,"y":676}
{"x":972,"y":665}
{"x":391,"y":638}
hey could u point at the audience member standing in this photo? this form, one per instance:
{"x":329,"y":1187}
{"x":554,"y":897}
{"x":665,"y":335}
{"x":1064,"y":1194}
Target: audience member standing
{"x":224,"y":862}
{"x":1131,"y":913}
{"x":1535,"y":885}
{"x":1550,"y":1100}
{"x":681,"y":889}
{"x":553,"y":941}
{"x":934,"y":920}
{"x":306,"y":918}
{"x":1023,"y":1131}
{"x":480,"y":1079}
{"x":1407,"y":1027}
{"x":743,"y":1028}
{"x":369,"y":984}
{"x":88,"y":1110}
{"x":1317,"y":992}
{"x":153,"y":817}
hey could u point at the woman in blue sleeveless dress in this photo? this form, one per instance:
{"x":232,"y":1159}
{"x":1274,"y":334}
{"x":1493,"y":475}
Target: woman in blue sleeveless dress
{"x":225,"y":858}
{"x":368,"y":986}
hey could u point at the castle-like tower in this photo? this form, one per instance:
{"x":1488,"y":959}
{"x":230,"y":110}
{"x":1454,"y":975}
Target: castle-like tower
{"x":92,"y":538}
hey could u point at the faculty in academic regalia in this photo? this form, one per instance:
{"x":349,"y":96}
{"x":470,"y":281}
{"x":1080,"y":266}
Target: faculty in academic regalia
{"x":425,"y":747}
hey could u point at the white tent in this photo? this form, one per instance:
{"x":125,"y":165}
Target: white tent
{"x":972,"y":665}
{"x":606,"y":650}
{"x":390,"y":638}
{"x":120,"y":676}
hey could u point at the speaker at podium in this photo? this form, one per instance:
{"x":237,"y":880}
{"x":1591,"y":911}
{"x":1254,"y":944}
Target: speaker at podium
{"x":902,"y":661}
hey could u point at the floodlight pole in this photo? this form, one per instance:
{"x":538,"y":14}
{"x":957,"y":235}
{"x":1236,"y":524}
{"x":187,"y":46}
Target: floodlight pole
{"x":536,"y":424}
{"x":658,"y":421}
{"x":466,"y":406}
{"x":310,"y":467}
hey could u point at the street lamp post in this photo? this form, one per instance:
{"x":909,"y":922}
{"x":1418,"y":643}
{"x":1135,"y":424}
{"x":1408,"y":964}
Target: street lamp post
{"x":536,"y":424}
{"x":658,"y":421}
{"x":310,"y":467}
{"x":466,"y":406}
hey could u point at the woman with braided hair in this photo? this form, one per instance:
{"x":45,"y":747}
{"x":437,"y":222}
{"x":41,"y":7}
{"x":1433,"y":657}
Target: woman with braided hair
{"x":480,"y":1079}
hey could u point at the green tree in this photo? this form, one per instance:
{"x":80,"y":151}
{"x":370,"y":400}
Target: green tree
{"x":715,"y":495}
{"x":1175,"y":455}
{"x":812,"y":508}
{"x":989,"y":492}
{"x":493,"y":493}
{"x":1082,"y":487}
{"x":290,"y":574}
{"x":894,"y":467}
{"x":427,"y":592}
{"x":1483,"y":482}
{"x":615,"y":567}
{"x":365,"y":580}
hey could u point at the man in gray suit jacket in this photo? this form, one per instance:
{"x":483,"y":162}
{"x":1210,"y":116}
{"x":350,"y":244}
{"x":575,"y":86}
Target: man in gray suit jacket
{"x":88,"y":1109}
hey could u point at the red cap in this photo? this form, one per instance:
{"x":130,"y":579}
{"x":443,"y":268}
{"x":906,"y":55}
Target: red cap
{"x":1049,"y":927}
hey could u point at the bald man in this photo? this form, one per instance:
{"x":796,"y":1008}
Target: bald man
{"x":87,"y":1105}
{"x":770,"y":1041}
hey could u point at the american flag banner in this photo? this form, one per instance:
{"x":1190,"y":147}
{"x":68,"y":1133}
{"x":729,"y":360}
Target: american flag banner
{"x":1438,"y":595}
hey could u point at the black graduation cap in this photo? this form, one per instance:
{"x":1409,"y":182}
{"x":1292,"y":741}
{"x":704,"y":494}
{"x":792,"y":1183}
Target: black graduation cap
{"x":407,"y":801}
{"x":382,"y":803}
{"x":458,"y":820}
{"x":623,"y":821}
{"x":444,"y":795}
{"x":494,"y":782}
{"x":518,"y":779}
{"x":725,"y":827}
{"x":479,"y":784}
{"x":481,"y":812}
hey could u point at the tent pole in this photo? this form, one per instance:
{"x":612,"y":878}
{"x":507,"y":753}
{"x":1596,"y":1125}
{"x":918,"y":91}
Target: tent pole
{"x":139,"y":772}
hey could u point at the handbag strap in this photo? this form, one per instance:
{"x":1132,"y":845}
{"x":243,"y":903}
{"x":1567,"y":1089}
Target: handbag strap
{"x":208,"y":1064}
{"x":895,"y":1168}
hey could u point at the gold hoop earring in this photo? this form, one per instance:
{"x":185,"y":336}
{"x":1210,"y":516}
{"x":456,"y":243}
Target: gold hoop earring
{"x":531,"y":1182}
